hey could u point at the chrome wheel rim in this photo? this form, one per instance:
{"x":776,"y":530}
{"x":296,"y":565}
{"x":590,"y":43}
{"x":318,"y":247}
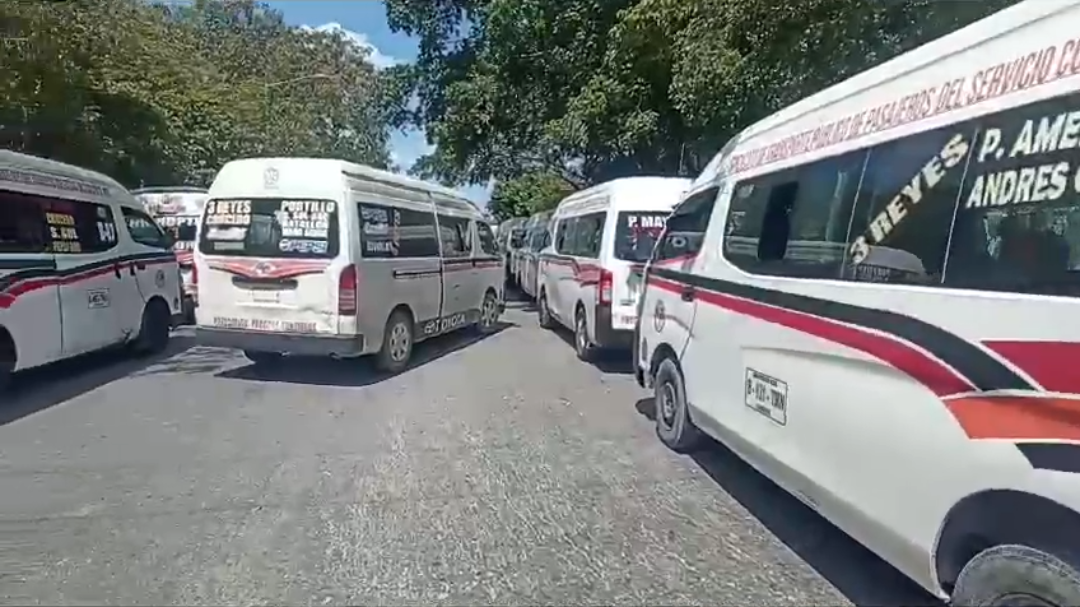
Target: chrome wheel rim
{"x":488,"y":315}
{"x":399,"y":342}
{"x":665,"y":401}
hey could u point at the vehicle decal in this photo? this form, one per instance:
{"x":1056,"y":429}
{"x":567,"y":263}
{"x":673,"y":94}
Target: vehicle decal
{"x":959,"y":372}
{"x":40,"y":276}
{"x":269,"y":269}
{"x":1051,"y":363}
{"x":445,"y":324}
{"x":940,"y":360}
{"x":584,"y":273}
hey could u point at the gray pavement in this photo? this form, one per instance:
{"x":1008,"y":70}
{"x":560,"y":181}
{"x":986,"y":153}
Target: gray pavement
{"x":497,"y":472}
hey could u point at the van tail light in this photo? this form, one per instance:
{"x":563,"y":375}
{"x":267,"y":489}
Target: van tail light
{"x":606,"y":283}
{"x":347,"y":284}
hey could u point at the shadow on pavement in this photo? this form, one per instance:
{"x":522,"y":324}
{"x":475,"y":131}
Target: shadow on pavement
{"x":43,"y":387}
{"x":518,"y":300}
{"x":618,"y":362}
{"x":857,"y":573}
{"x":354,"y":372}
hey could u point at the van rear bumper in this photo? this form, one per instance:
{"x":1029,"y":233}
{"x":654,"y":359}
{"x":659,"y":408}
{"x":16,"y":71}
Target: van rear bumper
{"x":290,"y":343}
{"x":609,"y":337}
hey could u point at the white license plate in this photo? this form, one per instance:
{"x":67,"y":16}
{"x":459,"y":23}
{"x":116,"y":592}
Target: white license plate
{"x":261,"y":296}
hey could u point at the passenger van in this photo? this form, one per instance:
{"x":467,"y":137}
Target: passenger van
{"x":537,"y":237}
{"x":872,"y":297}
{"x":82,"y":266}
{"x":592,"y":274}
{"x":324,"y":257}
{"x":177,"y":210}
{"x":510,"y":237}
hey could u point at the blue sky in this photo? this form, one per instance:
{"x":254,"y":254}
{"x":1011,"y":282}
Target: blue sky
{"x":364,"y":21}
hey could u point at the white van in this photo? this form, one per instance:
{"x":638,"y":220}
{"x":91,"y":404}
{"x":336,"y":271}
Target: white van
{"x":177,"y":210}
{"x":872,"y":297}
{"x":82,"y":266}
{"x":324,"y":257}
{"x":591,"y":274}
{"x":537,"y":238}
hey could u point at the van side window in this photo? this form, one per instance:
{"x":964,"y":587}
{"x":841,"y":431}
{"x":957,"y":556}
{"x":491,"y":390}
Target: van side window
{"x":79,"y":227}
{"x":393,"y":232}
{"x":904,"y":213}
{"x":1017,"y":225}
{"x":794,"y":222}
{"x":488,"y":246}
{"x":144,"y":230}
{"x":684,"y":232}
{"x":562,"y":231}
{"x":588,"y":230}
{"x":22,"y":224}
{"x":454,"y":235}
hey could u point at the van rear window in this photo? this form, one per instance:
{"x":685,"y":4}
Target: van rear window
{"x":270,"y":227}
{"x":636,"y":234}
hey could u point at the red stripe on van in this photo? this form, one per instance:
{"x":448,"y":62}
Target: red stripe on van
{"x":19,"y":287}
{"x":1051,"y":363}
{"x":263,"y":268}
{"x":921,"y":367}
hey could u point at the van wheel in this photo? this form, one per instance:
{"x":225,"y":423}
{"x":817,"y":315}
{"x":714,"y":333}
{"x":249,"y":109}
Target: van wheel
{"x":543,"y":313}
{"x":397,"y":343}
{"x":673,"y":423}
{"x":582,"y":345}
{"x":1016,"y":576}
{"x":7,"y":361}
{"x":263,"y":358}
{"x":154,"y":330}
{"x":489,"y":313}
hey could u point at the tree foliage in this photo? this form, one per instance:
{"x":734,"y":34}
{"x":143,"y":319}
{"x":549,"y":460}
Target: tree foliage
{"x":166,"y":93}
{"x":527,"y":194}
{"x":589,"y":90}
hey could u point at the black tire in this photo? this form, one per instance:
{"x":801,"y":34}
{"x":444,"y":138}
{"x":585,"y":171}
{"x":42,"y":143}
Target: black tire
{"x":7,"y":368}
{"x":543,"y":313}
{"x":394,"y":355}
{"x":673,"y":424}
{"x":583,"y":347}
{"x":489,"y":314}
{"x":263,"y":358}
{"x":155,"y":329}
{"x":1016,"y":576}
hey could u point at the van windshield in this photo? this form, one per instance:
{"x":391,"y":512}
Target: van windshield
{"x":636,"y":234}
{"x":182,"y":228}
{"x":270,"y":227}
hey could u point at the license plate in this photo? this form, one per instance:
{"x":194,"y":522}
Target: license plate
{"x":261,"y":296}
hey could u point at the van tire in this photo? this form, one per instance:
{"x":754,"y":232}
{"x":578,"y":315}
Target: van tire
{"x":394,"y":355}
{"x":1009,"y":574}
{"x":489,"y":313}
{"x":673,"y":424}
{"x":155,"y":328}
{"x":260,"y":357}
{"x":7,"y":360}
{"x":543,"y":313}
{"x":583,"y":346}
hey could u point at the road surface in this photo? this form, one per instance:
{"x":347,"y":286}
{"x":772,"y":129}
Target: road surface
{"x":500,"y":472}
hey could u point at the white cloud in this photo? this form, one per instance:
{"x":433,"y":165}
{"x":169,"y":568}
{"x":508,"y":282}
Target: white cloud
{"x":377,"y":57}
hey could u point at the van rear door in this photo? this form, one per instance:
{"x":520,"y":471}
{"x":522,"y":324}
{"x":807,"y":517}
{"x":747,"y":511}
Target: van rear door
{"x":636,"y":233}
{"x":271,"y":264}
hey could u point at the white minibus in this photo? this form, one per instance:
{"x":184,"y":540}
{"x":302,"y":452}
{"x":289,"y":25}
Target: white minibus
{"x":537,"y":237}
{"x":325,"y":257}
{"x":872,"y":297}
{"x":591,"y":274}
{"x":177,"y":210}
{"x":82,"y":266}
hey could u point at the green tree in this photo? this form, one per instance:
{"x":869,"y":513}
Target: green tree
{"x":527,"y":194}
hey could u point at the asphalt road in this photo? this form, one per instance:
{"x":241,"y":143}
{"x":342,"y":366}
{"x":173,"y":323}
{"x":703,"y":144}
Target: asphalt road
{"x":500,"y":472}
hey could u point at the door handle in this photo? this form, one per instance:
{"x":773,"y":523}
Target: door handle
{"x":131,"y":269}
{"x":116,"y":270}
{"x":688,"y":293}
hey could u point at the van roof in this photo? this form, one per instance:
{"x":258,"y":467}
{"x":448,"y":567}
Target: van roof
{"x":905,"y":74}
{"x":638,"y":187}
{"x":169,"y":189}
{"x":110,"y":188}
{"x":364,"y":172}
